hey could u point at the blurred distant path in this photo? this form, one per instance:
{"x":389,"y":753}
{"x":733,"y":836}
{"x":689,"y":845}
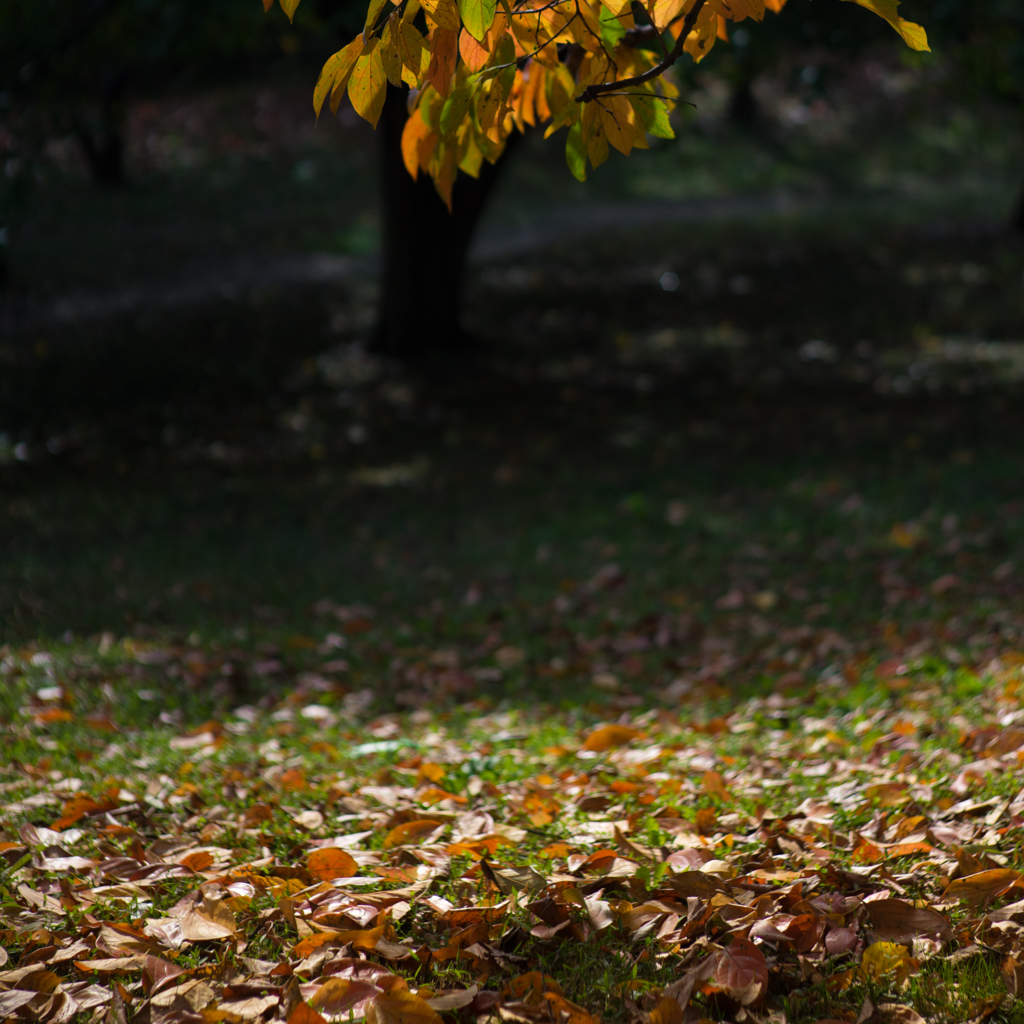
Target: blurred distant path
{"x":495,"y":242}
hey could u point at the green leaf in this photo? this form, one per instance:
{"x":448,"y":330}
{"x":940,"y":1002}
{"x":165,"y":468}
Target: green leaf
{"x":455,"y":108}
{"x":576,"y":153}
{"x":612,"y":28}
{"x":289,"y":7}
{"x":653,"y":115}
{"x":477,"y":16}
{"x":569,"y":114}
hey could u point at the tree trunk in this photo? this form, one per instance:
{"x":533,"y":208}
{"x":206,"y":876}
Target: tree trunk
{"x":103,"y":146}
{"x":743,"y":104}
{"x":104,"y":153}
{"x":1017,"y":218}
{"x":425,"y":248}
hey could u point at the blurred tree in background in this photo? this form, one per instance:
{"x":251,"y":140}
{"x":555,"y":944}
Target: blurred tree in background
{"x":71,"y":68}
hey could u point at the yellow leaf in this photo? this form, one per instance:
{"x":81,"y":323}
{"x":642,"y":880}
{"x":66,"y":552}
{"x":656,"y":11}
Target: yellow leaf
{"x":912,"y":34}
{"x":372,"y":14}
{"x":335,"y":73}
{"x":443,"y":13}
{"x":289,"y":7}
{"x":882,"y":958}
{"x":389,"y":53}
{"x":367,"y":88}
{"x":618,"y":121}
{"x":662,"y":12}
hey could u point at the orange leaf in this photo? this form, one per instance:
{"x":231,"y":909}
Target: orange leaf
{"x":561,"y":1009}
{"x":668,"y":1011}
{"x":605,"y":737}
{"x":76,"y":808}
{"x":866,"y":852}
{"x":907,"y":849}
{"x":706,"y":820}
{"x":533,"y":983}
{"x":410,"y":832}
{"x":714,"y":785}
{"x":430,"y":772}
{"x":434,"y":795}
{"x":331,"y":863}
{"x":444,"y":48}
{"x":293,"y":780}
{"x":49,"y":715}
{"x":309,"y":945}
{"x":366,"y":940}
{"x":305,"y":1014}
{"x":557,"y":850}
{"x":198,"y":861}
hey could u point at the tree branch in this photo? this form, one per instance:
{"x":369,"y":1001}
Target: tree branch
{"x":593,"y":91}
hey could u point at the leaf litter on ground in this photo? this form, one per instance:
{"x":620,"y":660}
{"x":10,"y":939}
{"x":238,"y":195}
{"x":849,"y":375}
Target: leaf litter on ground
{"x":846,"y":849}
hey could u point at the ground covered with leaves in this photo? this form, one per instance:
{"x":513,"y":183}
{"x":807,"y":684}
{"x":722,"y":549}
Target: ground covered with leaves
{"x":618,"y":682}
{"x":759,"y":798}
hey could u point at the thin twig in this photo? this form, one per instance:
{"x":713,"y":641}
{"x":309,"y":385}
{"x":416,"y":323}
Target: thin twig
{"x":593,"y":91}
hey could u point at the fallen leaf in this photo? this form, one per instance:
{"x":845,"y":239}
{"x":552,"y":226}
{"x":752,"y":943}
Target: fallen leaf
{"x":330,"y":863}
{"x":401,"y":1007}
{"x":982,"y":887}
{"x":607,"y":737}
{"x":411,"y":832}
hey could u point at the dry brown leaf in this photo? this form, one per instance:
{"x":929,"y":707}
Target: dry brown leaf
{"x":338,"y":997}
{"x":980,"y":888}
{"x":894,"y":920}
{"x":740,"y":972}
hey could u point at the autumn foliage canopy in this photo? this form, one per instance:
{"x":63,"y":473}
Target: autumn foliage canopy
{"x":479,"y":69}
